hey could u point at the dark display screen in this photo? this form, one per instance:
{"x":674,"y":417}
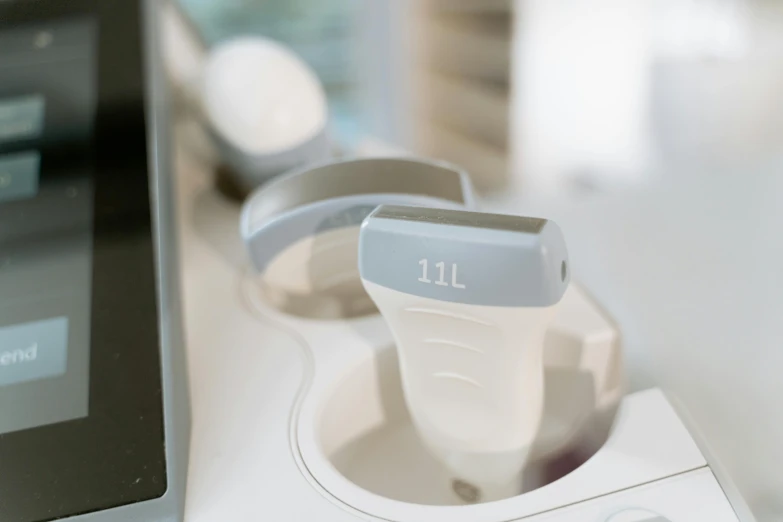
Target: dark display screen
{"x":81,"y":424}
{"x":47,"y":101}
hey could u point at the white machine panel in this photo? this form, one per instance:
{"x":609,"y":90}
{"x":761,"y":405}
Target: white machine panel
{"x":690,"y":497}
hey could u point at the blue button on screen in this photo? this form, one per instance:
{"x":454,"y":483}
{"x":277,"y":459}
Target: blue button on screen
{"x":19,"y":175}
{"x":21,"y":118}
{"x":33,"y":351}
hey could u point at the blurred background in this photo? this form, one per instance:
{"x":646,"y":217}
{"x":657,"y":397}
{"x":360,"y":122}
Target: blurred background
{"x":559,"y":97}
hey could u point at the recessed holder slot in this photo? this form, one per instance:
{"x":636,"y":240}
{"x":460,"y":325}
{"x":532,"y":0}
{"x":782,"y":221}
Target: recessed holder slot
{"x":353,"y":433}
{"x":364,"y":430}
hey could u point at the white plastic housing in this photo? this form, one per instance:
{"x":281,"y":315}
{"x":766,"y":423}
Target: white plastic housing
{"x":261,"y":97}
{"x":265,"y":109}
{"x":473,"y":378}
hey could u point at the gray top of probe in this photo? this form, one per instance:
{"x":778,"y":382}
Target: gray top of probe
{"x":465,"y":257}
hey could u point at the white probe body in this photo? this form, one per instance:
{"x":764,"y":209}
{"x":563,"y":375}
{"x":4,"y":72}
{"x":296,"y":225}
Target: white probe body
{"x":468,"y":297}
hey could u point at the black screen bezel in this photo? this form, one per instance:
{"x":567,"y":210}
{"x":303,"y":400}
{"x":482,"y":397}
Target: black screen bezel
{"x":116,"y":455}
